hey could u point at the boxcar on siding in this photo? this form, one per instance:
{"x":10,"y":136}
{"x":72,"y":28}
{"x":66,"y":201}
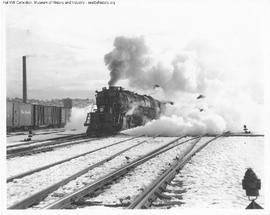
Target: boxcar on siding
{"x":56,"y":116}
{"x":59,"y":112}
{"x":47,"y":115}
{"x":63,"y":116}
{"x":22,"y":115}
{"x":38,"y":116}
{"x":9,"y":110}
{"x":68,"y":114}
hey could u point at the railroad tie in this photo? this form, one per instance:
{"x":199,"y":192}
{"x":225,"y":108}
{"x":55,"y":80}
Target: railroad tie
{"x":122,"y":205}
{"x":170,"y":203}
{"x":162,"y":195}
{"x":174,"y":196}
{"x":87,"y":203}
{"x":176,"y":181}
{"x":175,"y":191}
{"x":175,"y":184}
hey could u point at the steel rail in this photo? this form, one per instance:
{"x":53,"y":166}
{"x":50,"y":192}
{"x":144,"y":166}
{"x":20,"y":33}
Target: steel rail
{"x":145,"y":199}
{"x":26,"y":133}
{"x":14,"y":149}
{"x":10,"y":134}
{"x":244,"y":135}
{"x":48,"y":148}
{"x":22,"y":149}
{"x":239,"y":134}
{"x":41,"y":131}
{"x":46,"y":140}
{"x":75,"y":196}
{"x":39,"y":196}
{"x":48,"y":132}
{"x":64,"y":160}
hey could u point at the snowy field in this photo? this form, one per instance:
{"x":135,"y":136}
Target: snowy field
{"x":213,"y":178}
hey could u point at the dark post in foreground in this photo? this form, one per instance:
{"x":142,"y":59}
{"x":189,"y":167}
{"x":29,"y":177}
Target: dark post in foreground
{"x":252,"y":184}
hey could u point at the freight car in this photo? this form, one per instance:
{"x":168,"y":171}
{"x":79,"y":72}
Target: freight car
{"x":119,"y":109}
{"x":24,"y":116}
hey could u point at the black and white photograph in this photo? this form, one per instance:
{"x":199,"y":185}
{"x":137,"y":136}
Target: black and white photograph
{"x":113,"y":105}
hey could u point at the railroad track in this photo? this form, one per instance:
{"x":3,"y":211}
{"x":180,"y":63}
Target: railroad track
{"x":64,"y":160}
{"x":80,"y":199}
{"x":44,"y":131}
{"x":76,"y":197}
{"x":39,"y":195}
{"x":47,"y":146}
{"x":158,"y":187}
{"x":238,"y":134}
{"x":68,"y":137}
{"x":50,"y":132}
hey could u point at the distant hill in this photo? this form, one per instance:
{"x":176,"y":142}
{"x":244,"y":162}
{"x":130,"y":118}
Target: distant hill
{"x":77,"y":102}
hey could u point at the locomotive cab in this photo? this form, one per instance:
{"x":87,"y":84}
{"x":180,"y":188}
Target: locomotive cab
{"x":119,"y":109}
{"x":106,"y":118}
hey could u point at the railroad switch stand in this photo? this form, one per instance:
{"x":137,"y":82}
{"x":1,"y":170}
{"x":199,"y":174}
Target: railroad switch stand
{"x":30,"y":135}
{"x":246,"y":130}
{"x":252,"y":184}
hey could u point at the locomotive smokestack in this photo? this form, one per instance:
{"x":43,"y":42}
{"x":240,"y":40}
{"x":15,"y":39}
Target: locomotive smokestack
{"x":24,"y":79}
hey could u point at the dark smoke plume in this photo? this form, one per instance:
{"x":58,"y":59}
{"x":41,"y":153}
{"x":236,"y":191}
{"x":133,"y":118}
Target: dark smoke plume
{"x":130,"y":60}
{"x":127,"y":59}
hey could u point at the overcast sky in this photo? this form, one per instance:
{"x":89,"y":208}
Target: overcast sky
{"x":66,"y":45}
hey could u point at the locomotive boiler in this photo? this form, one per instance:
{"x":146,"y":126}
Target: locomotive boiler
{"x":118,"y":109}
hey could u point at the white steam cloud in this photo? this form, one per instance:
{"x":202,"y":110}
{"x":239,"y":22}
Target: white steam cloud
{"x":227,"y":105}
{"x":77,"y":118}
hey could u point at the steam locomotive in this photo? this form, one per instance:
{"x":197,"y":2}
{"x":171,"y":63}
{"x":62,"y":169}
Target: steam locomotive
{"x":118,"y":109}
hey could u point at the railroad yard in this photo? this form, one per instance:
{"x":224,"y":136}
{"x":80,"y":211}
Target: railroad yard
{"x":123,"y":105}
{"x":65,"y":169}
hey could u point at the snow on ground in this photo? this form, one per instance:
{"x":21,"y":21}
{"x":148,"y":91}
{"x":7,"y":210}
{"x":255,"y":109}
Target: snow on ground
{"x":141,"y":177}
{"x":108,"y":167}
{"x":19,"y":189}
{"x":26,"y":163}
{"x":212,"y":179}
